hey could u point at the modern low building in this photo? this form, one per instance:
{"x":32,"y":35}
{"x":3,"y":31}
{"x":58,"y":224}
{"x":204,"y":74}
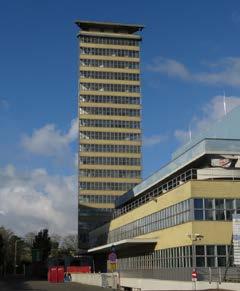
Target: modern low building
{"x":109,"y":119}
{"x":180,"y":217}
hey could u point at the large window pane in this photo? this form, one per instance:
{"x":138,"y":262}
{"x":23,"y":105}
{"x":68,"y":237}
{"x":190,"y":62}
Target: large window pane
{"x":220,"y":215}
{"x":210,"y":251}
{"x":200,"y":261}
{"x":221,"y":261}
{"x":219,"y":203}
{"x":210,"y":262}
{"x":200,"y":250}
{"x":208,"y":203}
{"x":229,"y":204}
{"x":198,"y":214}
{"x":221,"y":250}
{"x":198,"y":203}
{"x":208,"y":214}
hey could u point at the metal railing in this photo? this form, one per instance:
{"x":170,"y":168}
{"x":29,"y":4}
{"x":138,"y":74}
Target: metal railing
{"x":157,"y":191}
{"x":162,"y":188}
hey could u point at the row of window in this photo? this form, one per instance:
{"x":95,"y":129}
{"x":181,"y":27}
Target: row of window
{"x":109,"y":40}
{"x":109,"y":87}
{"x":110,"y":148}
{"x":109,"y":52}
{"x":109,"y":75}
{"x":82,"y":211}
{"x":215,"y":209}
{"x":157,"y":190}
{"x":109,"y":123}
{"x":108,"y":186}
{"x":99,"y":135}
{"x":204,"y":209}
{"x":110,"y":99}
{"x":173,"y":215}
{"x":109,"y":161}
{"x":97,"y":198}
{"x":180,"y":257}
{"x":109,"y":64}
{"x":109,"y":173}
{"x":109,"y":111}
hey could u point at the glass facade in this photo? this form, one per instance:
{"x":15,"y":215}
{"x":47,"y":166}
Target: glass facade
{"x":185,"y":211}
{"x":215,"y":208}
{"x":180,"y":257}
{"x":107,"y":76}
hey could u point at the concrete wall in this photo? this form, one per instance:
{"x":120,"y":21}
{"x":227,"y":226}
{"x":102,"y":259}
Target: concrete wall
{"x":89,"y":279}
{"x":150,"y":284}
{"x":97,"y":279}
{"x":102,"y":280}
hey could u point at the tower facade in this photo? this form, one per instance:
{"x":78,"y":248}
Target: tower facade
{"x":109,"y":111}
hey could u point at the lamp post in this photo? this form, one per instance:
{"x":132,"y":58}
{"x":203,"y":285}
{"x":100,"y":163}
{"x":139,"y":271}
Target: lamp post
{"x":15,"y":255}
{"x":194,"y":237}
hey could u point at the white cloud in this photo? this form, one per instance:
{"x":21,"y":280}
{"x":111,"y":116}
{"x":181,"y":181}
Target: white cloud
{"x":224,"y":72}
{"x":34,"y":200}
{"x":210,"y":113}
{"x":50,"y":141}
{"x":153,"y":140}
{"x":170,"y":67}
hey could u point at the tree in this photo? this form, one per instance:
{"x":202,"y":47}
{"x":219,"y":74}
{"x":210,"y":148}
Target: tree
{"x":1,"y":254}
{"x":29,"y":238}
{"x":70,"y":243}
{"x":8,"y":239}
{"x":55,"y":243}
{"x":42,"y":242}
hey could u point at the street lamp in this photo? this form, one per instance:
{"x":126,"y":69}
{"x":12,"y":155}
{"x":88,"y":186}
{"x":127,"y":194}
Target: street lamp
{"x":194,"y":237}
{"x":15,"y":255}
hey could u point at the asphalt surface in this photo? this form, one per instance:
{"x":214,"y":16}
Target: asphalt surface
{"x":20,"y":285}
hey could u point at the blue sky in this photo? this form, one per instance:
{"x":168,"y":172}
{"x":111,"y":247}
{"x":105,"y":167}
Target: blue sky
{"x":190,"y":56}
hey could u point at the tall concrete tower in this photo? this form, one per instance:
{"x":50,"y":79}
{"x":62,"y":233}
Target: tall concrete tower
{"x":109,"y":111}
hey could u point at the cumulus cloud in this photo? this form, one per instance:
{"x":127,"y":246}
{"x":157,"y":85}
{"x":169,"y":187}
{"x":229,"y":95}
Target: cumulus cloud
{"x":170,"y":67}
{"x":225,"y":71}
{"x":210,"y":113}
{"x":153,"y":140}
{"x":34,"y":200}
{"x":50,"y":141}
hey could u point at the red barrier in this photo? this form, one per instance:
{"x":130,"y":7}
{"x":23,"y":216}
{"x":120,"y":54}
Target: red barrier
{"x":56,"y":275}
{"x":79,"y":269}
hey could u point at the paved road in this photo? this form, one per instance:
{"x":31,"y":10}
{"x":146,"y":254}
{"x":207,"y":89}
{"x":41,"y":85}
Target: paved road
{"x":18,"y":285}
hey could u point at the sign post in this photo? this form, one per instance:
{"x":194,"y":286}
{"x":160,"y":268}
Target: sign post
{"x":194,"y":279}
{"x":112,"y":258}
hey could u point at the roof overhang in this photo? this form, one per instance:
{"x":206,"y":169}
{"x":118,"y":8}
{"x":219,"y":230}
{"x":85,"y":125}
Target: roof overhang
{"x":132,"y":28}
{"x":124,"y":244}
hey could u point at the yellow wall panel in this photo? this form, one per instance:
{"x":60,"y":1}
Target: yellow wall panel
{"x":101,"y":192}
{"x":108,"y":81}
{"x":110,"y":46}
{"x":109,"y":93}
{"x":104,"y":179}
{"x":111,"y":167}
{"x":109,"y":58}
{"x":106,"y":69}
{"x":174,"y":196}
{"x":114,"y":142}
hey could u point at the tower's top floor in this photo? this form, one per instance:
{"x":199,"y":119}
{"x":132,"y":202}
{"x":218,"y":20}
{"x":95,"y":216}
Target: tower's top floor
{"x":109,"y":27}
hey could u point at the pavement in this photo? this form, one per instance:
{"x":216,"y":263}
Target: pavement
{"x":20,"y":285}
